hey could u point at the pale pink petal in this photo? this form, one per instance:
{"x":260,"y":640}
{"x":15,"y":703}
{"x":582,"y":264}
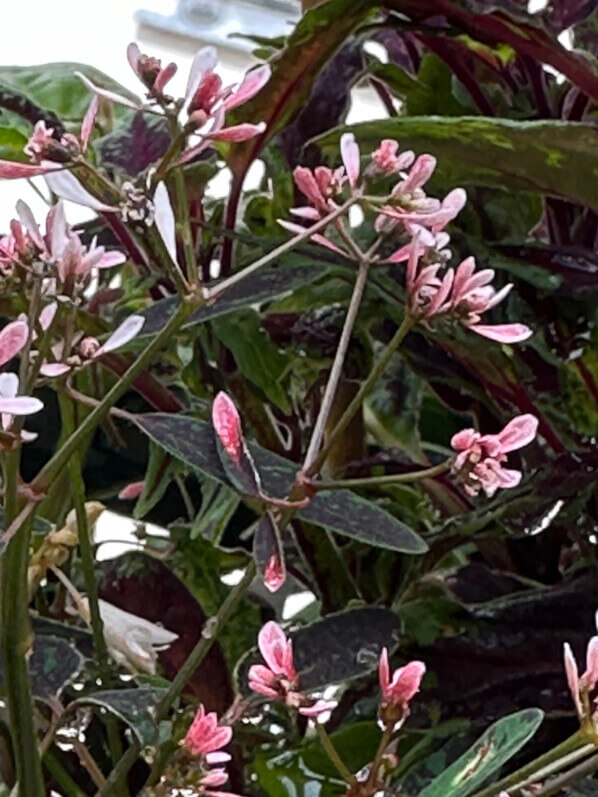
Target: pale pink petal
{"x":227,"y":425}
{"x":384,"y":671}
{"x":590,"y":677}
{"x":508,"y":478}
{"x":350,"y":156}
{"x":420,"y":173}
{"x":54,"y":369}
{"x":191,"y":153}
{"x":28,"y":221}
{"x":164,"y":76}
{"x":66,"y":186}
{"x":164,"y":219}
{"x":249,"y":87}
{"x":133,"y":55}
{"x":241,"y":132}
{"x":47,"y":315}
{"x":306,"y":183}
{"x":89,"y":121}
{"x":272,"y":643}
{"x":110,"y":259}
{"x":405,"y":683}
{"x":131,"y":491}
{"x":318,"y":708}
{"x":218,"y":757}
{"x":112,"y":96}
{"x":122,"y":335}
{"x":572,"y":677}
{"x":503,"y":333}
{"x":20,"y":405}
{"x":498,"y":296}
{"x":518,"y":432}
{"x":13,"y":338}
{"x":13,"y":170}
{"x":311,"y":214}
{"x":217,"y":777}
{"x":204,"y":61}
{"x":464,"y":439}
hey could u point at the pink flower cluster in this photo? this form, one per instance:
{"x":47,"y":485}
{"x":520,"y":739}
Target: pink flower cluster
{"x":584,"y":689}
{"x":49,"y":152}
{"x":205,"y":739}
{"x":206,"y":101}
{"x":277,"y":679}
{"x":479,"y":458}
{"x":59,"y":248}
{"x":462,"y":295}
{"x":398,"y":689}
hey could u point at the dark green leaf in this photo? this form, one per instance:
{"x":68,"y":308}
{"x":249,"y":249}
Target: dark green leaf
{"x":394,"y":407}
{"x":53,"y":664}
{"x":55,"y":87}
{"x":135,"y":707}
{"x":11,"y":144}
{"x":343,"y":646}
{"x":160,"y":470}
{"x":256,"y":356}
{"x":267,"y":544}
{"x":193,"y":442}
{"x":260,"y":287}
{"x":492,"y":750}
{"x":353,"y":516}
{"x":546,"y":156}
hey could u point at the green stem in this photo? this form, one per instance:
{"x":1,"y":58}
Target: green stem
{"x":572,"y":776}
{"x":87,"y":565}
{"x":363,"y":391}
{"x":391,"y":478}
{"x":218,"y":289}
{"x":384,"y":742}
{"x":333,"y":755}
{"x":197,"y":655}
{"x":61,"y":776}
{"x":529,"y":770}
{"x":183,"y":226}
{"x":337,"y":366}
{"x":17,"y":638}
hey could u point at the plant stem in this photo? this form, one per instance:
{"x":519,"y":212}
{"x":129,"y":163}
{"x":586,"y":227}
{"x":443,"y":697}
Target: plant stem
{"x":391,"y":478}
{"x":337,"y":366}
{"x":561,"y":763}
{"x":197,"y":655}
{"x":87,"y":565}
{"x":365,"y":388}
{"x":218,"y":289}
{"x":572,"y":776}
{"x":17,"y":638}
{"x":183,"y":226}
{"x":333,"y":755}
{"x":529,"y":770}
{"x":384,"y":742}
{"x":61,"y":776}
{"x":58,"y":461}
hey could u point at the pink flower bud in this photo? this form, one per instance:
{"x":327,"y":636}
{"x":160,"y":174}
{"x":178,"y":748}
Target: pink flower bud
{"x":227,"y":425}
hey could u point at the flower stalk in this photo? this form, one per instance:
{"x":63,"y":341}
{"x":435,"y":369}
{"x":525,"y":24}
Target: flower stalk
{"x":366,"y":387}
{"x":333,"y":755}
{"x":391,"y":478}
{"x":17,"y":639}
{"x":87,"y":566}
